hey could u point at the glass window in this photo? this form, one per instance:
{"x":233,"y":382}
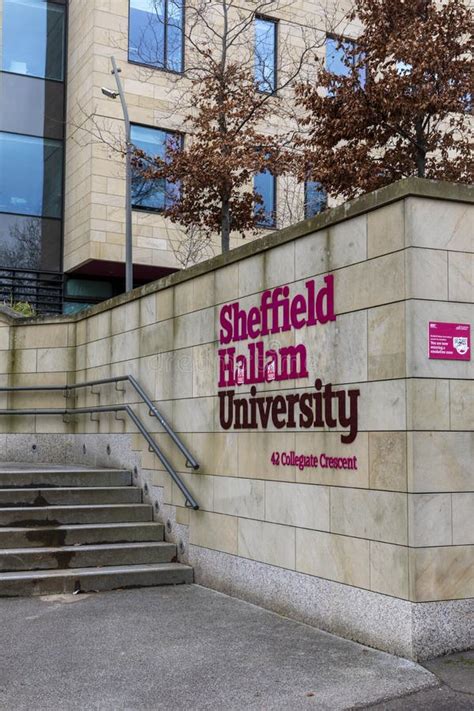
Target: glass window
{"x":152,"y":194}
{"x":264,"y":184}
{"x":315,"y":198}
{"x":335,"y":56}
{"x":89,"y":288}
{"x":156,"y":33}
{"x":336,"y":61}
{"x":174,"y":35}
{"x":30,"y":243}
{"x":30,"y":175}
{"x":265,"y":54}
{"x":33,"y":38}
{"x":31,"y":106}
{"x":73,"y":307}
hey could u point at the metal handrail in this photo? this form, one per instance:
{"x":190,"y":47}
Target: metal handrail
{"x":153,"y":410}
{"x":190,"y":500}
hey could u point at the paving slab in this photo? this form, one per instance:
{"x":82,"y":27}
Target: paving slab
{"x":455,"y":670}
{"x":455,"y":690}
{"x":440,"y":699}
{"x":183,"y":647}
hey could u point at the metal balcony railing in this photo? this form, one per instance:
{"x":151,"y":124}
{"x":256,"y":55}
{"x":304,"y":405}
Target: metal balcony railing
{"x":42,"y":289}
{"x":68,"y":391}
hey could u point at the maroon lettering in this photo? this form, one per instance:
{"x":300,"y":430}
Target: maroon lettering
{"x":226,"y":416}
{"x":310,"y":288}
{"x":225,"y":334}
{"x":254,"y":320}
{"x":278,"y":312}
{"x":226,"y":367}
{"x":291,"y":410}
{"x":264,"y":405}
{"x":279,"y":408}
{"x":350,"y":420}
{"x":322,"y":407}
{"x":325,"y":301}
{"x":298,"y":307}
{"x":306,"y":410}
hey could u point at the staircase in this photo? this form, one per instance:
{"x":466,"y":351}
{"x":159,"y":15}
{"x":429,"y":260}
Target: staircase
{"x":68,"y":529}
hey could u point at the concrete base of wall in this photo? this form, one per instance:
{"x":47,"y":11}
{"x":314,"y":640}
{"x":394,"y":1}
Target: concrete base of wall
{"x":414,"y":630}
{"x":101,"y":450}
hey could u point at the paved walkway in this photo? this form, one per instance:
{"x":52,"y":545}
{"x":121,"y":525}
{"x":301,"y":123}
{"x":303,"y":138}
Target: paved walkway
{"x":188,"y":648}
{"x":454,"y":692}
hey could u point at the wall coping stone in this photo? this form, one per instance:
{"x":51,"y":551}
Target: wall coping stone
{"x":399,"y":190}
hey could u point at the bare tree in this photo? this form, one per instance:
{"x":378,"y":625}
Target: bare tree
{"x":22,"y":249}
{"x":239,"y":115}
{"x":236,"y":106}
{"x":192,"y":246}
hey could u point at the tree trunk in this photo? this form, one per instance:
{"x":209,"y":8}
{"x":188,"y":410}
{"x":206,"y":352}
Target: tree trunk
{"x":420,"y":148}
{"x":225,"y":225}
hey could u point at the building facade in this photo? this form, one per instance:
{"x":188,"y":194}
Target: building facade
{"x":32,"y":121}
{"x":62,"y":191}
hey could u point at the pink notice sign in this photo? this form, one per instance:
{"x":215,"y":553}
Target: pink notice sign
{"x":449,"y":341}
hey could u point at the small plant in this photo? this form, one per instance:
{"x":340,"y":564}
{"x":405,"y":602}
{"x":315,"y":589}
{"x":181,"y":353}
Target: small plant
{"x":22,"y":307}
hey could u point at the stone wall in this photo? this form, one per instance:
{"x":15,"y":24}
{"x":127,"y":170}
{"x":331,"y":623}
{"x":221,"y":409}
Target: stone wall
{"x":383,"y":553}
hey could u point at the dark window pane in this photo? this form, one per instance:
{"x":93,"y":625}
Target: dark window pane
{"x":30,"y":175}
{"x":89,"y":288}
{"x":264,"y":185}
{"x":33,"y":38}
{"x":315,"y":198}
{"x":151,"y":194}
{"x":30,"y":243}
{"x":31,"y":106}
{"x":265,"y":54}
{"x":156,"y":33}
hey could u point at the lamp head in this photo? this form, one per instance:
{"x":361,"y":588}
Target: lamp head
{"x":109,"y":93}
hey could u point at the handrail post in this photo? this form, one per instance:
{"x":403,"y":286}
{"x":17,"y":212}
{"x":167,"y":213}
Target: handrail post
{"x":69,"y":390}
{"x":189,"y":457}
{"x":186,"y":493}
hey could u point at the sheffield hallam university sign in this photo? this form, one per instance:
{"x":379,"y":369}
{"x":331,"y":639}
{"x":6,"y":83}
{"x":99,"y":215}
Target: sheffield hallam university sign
{"x":322,"y":406}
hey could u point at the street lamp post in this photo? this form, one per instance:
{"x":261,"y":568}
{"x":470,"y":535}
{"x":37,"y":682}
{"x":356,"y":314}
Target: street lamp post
{"x":128,"y":175}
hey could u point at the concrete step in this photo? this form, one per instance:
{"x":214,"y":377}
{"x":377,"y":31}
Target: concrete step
{"x":42,"y":476}
{"x":50,"y":582}
{"x":115,"y":554}
{"x":71,"y":535}
{"x":67,"y":529}
{"x":68,"y":497}
{"x":111,"y":513}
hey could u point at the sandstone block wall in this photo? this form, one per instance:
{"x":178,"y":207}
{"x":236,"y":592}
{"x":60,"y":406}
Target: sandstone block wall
{"x":383,"y":553}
